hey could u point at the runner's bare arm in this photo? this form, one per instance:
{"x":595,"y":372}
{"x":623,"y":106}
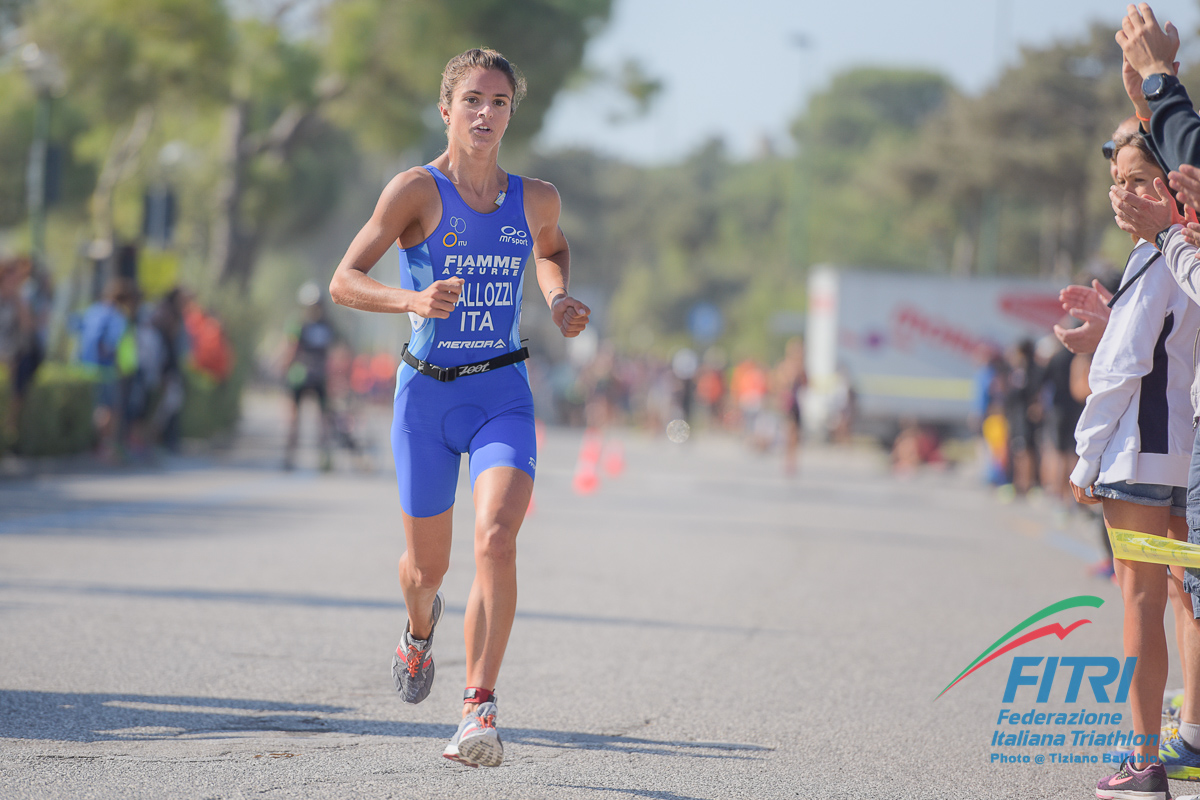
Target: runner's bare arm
{"x":402,"y":213}
{"x":552,"y":256}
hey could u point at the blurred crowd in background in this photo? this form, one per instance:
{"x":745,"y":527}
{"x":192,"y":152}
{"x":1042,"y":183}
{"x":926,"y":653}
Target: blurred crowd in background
{"x":134,"y":356}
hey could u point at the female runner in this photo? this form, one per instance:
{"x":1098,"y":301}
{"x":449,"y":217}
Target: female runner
{"x":465,"y":230}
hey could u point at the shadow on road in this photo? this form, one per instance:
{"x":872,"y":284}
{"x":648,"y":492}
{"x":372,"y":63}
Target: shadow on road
{"x":635,"y":792}
{"x":152,"y":517}
{"x":74,"y":717}
{"x":257,"y":597}
{"x":77,"y":717}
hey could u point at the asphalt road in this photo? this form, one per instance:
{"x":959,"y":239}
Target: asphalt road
{"x":698,"y":628}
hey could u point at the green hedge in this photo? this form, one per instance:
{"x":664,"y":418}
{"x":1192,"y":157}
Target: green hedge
{"x":57,"y":416}
{"x":209,"y":407}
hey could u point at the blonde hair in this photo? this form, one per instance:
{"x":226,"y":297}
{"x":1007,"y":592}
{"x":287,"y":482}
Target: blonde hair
{"x":480,"y":58}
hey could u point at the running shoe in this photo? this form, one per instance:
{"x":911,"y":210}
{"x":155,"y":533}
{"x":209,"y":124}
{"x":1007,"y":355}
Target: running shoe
{"x":1119,"y":754}
{"x":1129,"y":784}
{"x":1180,"y":760}
{"x":412,"y":666}
{"x":477,"y":743}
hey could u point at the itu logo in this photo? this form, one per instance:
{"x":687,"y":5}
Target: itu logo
{"x":459,"y":227}
{"x":1020,"y":635}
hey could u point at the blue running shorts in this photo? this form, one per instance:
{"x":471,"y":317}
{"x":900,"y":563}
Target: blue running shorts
{"x":488,"y":416}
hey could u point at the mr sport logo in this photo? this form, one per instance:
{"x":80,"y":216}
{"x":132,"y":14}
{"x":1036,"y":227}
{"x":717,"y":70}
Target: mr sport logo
{"x":1037,"y":725}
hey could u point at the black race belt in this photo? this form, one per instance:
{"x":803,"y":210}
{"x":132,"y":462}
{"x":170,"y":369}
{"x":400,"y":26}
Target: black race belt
{"x":447,"y":374}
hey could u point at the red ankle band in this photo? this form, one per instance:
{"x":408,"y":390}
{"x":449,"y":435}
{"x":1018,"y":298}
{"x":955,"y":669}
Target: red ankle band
{"x":477,"y":695}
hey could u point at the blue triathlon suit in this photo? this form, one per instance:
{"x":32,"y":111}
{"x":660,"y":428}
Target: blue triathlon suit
{"x":488,"y":415}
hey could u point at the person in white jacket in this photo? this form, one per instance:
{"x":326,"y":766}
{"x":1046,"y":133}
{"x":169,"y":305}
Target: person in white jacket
{"x":1134,"y":441}
{"x":1161,"y":221}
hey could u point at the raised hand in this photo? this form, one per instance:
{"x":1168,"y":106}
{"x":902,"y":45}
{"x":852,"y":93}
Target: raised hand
{"x":1090,"y":306}
{"x":1149,"y":48}
{"x":1186,"y":183}
{"x":1144,"y":216}
{"x":1192,"y":234}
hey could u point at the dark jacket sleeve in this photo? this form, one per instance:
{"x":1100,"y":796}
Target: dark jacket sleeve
{"x":1174,"y":129}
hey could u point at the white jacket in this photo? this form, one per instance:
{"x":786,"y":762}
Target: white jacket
{"x":1137,"y":423}
{"x":1181,"y":260}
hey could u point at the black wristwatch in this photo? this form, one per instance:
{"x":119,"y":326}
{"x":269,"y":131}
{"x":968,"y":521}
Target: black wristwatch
{"x":1160,"y":239}
{"x":1156,"y":86}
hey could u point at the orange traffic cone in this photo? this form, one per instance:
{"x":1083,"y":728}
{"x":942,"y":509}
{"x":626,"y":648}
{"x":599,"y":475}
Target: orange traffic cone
{"x":589,"y":449}
{"x":587,"y":479}
{"x":614,"y":459}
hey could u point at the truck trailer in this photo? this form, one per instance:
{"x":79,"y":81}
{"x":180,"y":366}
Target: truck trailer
{"x":910,"y":345}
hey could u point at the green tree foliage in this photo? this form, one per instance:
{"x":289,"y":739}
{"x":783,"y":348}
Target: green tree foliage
{"x":390,"y":57}
{"x":73,"y":178}
{"x":895,"y":169}
{"x":1011,"y":181}
{"x":281,"y":163}
{"x":658,"y":241}
{"x":275,"y":119}
{"x":846,"y":208}
{"x":16,"y":131}
{"x":123,"y":54}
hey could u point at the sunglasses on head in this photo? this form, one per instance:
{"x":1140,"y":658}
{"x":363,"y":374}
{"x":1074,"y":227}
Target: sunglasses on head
{"x":1108,"y":148}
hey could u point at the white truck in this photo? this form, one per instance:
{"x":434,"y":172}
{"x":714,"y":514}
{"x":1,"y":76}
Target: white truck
{"x":910,"y":344}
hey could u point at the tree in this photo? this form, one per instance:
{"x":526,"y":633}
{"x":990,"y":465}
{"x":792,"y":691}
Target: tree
{"x":124,"y":60}
{"x":844,"y":206}
{"x":1017,"y":170}
{"x":378,"y":75}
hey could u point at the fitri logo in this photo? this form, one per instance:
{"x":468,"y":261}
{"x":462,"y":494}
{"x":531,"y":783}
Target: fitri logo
{"x":511,"y":235}
{"x":452,"y":237}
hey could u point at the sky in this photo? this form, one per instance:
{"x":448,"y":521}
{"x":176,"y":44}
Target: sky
{"x":735,"y":70}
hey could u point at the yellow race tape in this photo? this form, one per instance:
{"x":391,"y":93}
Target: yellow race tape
{"x":1134,"y":546}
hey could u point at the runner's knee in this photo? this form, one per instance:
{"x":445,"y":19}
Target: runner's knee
{"x":426,"y":575}
{"x":496,"y":543}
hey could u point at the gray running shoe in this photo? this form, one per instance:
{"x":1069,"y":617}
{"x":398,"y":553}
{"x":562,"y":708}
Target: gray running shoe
{"x":477,"y":743}
{"x":412,"y":666}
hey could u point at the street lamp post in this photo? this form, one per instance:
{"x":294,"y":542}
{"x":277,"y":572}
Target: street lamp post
{"x":798,"y":233}
{"x":46,"y":77}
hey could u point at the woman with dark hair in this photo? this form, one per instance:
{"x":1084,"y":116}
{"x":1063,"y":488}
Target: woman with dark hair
{"x":466,"y":230}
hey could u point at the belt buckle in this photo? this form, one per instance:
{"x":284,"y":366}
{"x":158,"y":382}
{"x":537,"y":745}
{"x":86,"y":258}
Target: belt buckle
{"x":449,"y":374}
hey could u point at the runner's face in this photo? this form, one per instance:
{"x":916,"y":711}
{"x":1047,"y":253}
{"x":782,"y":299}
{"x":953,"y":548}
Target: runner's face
{"x":480,"y":108}
{"x":1136,"y":174}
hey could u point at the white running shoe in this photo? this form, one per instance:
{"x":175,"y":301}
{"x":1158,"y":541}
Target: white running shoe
{"x":477,"y":743}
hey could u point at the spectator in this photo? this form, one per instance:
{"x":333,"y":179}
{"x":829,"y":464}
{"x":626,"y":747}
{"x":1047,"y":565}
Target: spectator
{"x":101,"y":329}
{"x":1024,"y":414}
{"x":790,"y":381}
{"x":307,"y":373}
{"x":12,"y":336}
{"x":1173,"y":133}
{"x":33,"y":313}
{"x":749,"y":389}
{"x":167,"y":322}
{"x":1062,"y":415}
{"x":1133,"y":451}
{"x":212,"y":355}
